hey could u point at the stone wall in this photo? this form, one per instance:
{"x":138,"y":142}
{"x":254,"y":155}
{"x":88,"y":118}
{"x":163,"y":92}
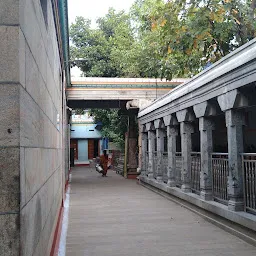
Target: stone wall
{"x":32,"y":170}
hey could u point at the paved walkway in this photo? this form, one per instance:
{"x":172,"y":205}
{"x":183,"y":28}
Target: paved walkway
{"x":113,"y":216}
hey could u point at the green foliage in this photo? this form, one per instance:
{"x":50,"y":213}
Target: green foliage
{"x":113,"y":125}
{"x":165,"y":39}
{"x":194,"y":33}
{"x":159,"y":38}
{"x":101,"y":47}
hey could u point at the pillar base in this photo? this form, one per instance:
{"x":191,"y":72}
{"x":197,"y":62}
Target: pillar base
{"x":236,"y":205}
{"x":206,"y":195}
{"x":171,"y":183}
{"x":186,"y":188}
{"x":150,"y":176}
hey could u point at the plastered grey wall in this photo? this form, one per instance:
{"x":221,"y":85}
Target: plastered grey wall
{"x":32,"y":170}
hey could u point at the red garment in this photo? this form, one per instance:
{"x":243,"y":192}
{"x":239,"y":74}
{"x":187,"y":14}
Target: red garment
{"x":104,"y":163}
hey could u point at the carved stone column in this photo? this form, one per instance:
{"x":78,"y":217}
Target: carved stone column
{"x":186,"y":129}
{"x":151,"y":148}
{"x":144,"y":142}
{"x":171,"y":123}
{"x":172,"y":133}
{"x":234,"y":122}
{"x":206,"y":126}
{"x":160,"y":134}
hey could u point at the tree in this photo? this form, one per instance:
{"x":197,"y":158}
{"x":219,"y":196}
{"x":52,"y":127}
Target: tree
{"x":114,"y":126}
{"x":101,"y":47}
{"x":175,"y":38}
{"x":193,"y":33}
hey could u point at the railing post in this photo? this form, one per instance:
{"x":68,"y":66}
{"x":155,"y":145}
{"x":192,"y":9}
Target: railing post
{"x":206,"y":126}
{"x":151,"y":149}
{"x":234,"y":123}
{"x":172,"y":133}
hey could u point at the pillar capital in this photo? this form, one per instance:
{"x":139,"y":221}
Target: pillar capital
{"x":170,"y":120}
{"x":185,"y":115}
{"x":205,"y":109}
{"x":150,"y":126}
{"x":159,"y":123}
{"x":143,"y":128}
{"x":232,"y":99}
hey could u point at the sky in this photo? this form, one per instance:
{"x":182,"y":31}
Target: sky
{"x":93,"y":9}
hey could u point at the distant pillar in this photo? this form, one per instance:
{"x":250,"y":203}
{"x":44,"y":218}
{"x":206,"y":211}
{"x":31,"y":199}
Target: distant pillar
{"x":144,"y":142}
{"x":172,"y":133}
{"x":160,"y":134}
{"x":186,"y":129}
{"x":151,"y":148}
{"x":132,"y":161}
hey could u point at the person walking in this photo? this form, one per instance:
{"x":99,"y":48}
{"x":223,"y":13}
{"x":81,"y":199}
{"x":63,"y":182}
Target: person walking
{"x":104,"y":163}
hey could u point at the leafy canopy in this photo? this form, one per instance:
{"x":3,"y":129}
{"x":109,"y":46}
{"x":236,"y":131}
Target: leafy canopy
{"x":157,"y":38}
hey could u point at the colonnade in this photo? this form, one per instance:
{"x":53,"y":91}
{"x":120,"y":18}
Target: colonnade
{"x":219,"y":176}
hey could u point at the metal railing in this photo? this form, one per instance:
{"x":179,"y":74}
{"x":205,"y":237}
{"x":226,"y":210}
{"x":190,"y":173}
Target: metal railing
{"x":249,"y":171}
{"x":220,"y":177}
{"x":165,"y":166}
{"x":178,"y":168}
{"x":155,"y":164}
{"x":195,"y":171}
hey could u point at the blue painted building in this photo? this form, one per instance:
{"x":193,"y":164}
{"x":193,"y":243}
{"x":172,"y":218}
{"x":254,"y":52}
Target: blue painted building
{"x":85,"y":139}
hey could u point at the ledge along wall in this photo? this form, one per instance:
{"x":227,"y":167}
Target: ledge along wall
{"x":31,"y":127}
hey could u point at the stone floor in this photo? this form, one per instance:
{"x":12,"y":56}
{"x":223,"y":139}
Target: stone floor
{"x":112,"y":216}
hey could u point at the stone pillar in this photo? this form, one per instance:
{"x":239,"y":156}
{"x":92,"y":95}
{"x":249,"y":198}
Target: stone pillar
{"x":186,"y":129}
{"x":228,"y":103}
{"x":172,"y":133}
{"x":234,"y":123}
{"x":144,"y":141}
{"x":151,"y":149}
{"x":132,"y":140}
{"x":160,"y":134}
{"x":206,"y":126}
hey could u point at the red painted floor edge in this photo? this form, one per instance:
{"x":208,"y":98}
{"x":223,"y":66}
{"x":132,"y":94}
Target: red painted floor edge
{"x":57,"y":233}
